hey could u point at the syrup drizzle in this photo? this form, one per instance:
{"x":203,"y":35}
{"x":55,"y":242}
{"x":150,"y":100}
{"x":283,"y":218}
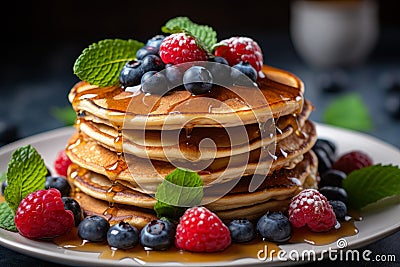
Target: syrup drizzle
{"x":235,"y":251}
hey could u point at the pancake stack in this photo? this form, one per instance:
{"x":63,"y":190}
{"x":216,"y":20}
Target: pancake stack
{"x":251,"y":148}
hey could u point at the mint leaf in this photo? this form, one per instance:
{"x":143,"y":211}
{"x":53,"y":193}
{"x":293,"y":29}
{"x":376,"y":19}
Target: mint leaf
{"x":26,"y":173}
{"x":204,"y":34}
{"x":348,"y":111}
{"x":66,"y":115}
{"x":370,"y":184}
{"x":7,"y":218}
{"x":179,"y":190}
{"x":101,"y":63}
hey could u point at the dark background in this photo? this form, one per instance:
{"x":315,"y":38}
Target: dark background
{"x":34,"y":31}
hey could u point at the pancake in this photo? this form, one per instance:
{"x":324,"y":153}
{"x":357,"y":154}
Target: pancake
{"x":176,"y":144}
{"x":281,"y":93}
{"x":114,"y":214}
{"x":273,"y":194}
{"x":88,"y":154}
{"x":282,"y":184}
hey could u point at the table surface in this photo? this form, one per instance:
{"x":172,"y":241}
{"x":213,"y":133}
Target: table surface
{"x":26,"y":103}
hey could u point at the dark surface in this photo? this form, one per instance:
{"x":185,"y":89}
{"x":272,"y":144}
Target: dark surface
{"x":45,"y":38}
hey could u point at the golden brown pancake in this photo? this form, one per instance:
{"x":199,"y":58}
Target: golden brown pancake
{"x":90,"y":155}
{"x":179,"y":143}
{"x":281,"y":185}
{"x":281,"y":93}
{"x":137,"y":217}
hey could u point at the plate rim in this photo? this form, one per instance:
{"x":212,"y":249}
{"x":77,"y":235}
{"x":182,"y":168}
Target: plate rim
{"x":69,"y":258}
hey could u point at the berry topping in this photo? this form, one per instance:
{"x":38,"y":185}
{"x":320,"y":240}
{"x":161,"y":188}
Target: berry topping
{"x":334,"y":193}
{"x":131,"y":73}
{"x":197,"y":80}
{"x":173,"y":74}
{"x":242,"y":230}
{"x":62,"y":163}
{"x":246,"y":69}
{"x":152,"y":62}
{"x":179,"y":48}
{"x":155,"y":41}
{"x":93,"y":228}
{"x":311,"y":208}
{"x":59,"y":183}
{"x":41,"y":215}
{"x":324,"y":160}
{"x":352,"y":161}
{"x":154,"y":83}
{"x":236,"y":49}
{"x":3,"y":187}
{"x":157,"y":235}
{"x":145,"y":51}
{"x":332,"y":178}
{"x":274,"y":227}
{"x":200,"y":230}
{"x":123,"y":236}
{"x":73,"y":205}
{"x":339,"y":208}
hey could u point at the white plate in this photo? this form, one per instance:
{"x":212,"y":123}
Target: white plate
{"x":371,"y":228}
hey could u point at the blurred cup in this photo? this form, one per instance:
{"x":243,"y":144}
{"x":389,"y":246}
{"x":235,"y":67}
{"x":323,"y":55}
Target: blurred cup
{"x":334,"y":34}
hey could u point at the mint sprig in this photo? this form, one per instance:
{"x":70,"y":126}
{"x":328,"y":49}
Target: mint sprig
{"x":373,"y":183}
{"x":26,"y":173}
{"x":101,"y":63}
{"x":66,"y":115}
{"x":205,"y":35}
{"x":348,"y":111}
{"x":179,"y":190}
{"x":7,"y":217}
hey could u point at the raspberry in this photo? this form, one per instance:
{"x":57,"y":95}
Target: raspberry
{"x":179,"y":48}
{"x":237,"y":49}
{"x":201,"y":230}
{"x":62,"y":163}
{"x":41,"y":215}
{"x":352,"y":161}
{"x":311,"y":208}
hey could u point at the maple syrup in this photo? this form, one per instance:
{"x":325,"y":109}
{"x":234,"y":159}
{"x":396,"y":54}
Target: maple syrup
{"x":251,"y":250}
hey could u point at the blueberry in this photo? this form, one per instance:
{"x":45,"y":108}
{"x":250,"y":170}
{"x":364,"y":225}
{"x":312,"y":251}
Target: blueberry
{"x":324,"y":161}
{"x":174,"y":75}
{"x":147,"y":76}
{"x":220,"y":60}
{"x":246,"y":69}
{"x":59,"y":183}
{"x":157,"y":235}
{"x":339,"y":208}
{"x":93,"y":228}
{"x":275,"y":227}
{"x":334,"y":193}
{"x":3,"y":187}
{"x":123,"y":236}
{"x":328,"y":147}
{"x":332,"y":178}
{"x":326,"y":144}
{"x":145,"y":51}
{"x":155,"y":41}
{"x":197,"y":80}
{"x":73,"y":205}
{"x":152,"y":62}
{"x":242,"y":230}
{"x":220,"y":71}
{"x":131,"y":73}
{"x":156,"y":83}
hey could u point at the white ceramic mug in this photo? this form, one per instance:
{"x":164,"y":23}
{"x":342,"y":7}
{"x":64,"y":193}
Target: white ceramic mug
{"x":332,"y":34}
